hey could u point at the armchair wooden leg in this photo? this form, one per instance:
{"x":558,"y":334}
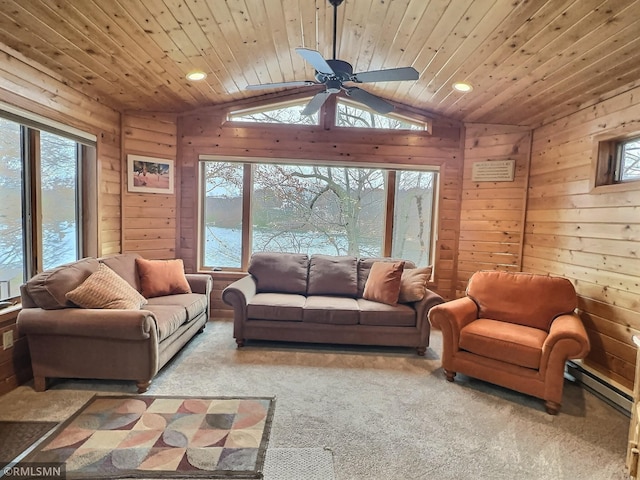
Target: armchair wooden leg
{"x":39,"y":384}
{"x":552,"y":408}
{"x":450,"y":375}
{"x":143,"y":386}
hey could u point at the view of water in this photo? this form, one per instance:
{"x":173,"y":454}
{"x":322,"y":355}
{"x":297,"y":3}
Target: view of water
{"x":223,"y":245}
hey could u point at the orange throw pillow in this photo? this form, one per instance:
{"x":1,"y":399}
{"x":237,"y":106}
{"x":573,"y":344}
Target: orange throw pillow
{"x":162,"y":277}
{"x":383,"y":282}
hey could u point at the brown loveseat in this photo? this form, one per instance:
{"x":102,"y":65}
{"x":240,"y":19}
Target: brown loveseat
{"x":516,"y":330}
{"x":125,"y":343}
{"x":319,"y":299}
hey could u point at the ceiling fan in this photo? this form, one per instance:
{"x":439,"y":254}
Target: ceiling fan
{"x":333,"y":74}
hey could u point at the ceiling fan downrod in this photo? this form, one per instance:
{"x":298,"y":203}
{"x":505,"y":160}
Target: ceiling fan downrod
{"x":335,"y":4}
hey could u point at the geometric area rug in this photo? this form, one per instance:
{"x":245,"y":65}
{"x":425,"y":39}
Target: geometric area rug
{"x":143,"y":436}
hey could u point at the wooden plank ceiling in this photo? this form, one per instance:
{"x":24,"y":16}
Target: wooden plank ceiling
{"x":528,"y":61}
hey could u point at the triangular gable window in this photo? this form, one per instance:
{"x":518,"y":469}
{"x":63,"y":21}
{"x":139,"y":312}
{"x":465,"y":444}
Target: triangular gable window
{"x":351,"y":116}
{"x":281,"y":113}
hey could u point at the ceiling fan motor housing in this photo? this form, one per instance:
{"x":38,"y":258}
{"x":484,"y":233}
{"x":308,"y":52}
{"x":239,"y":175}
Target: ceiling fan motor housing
{"x":343,"y":72}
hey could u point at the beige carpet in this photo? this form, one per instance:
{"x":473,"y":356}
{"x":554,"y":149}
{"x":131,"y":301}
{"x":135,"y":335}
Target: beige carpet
{"x":384,"y":413}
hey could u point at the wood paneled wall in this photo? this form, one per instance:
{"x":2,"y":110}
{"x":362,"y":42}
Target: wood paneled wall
{"x":206,"y":132}
{"x":591,"y":238}
{"x":28,"y":86}
{"x":492,"y":213}
{"x":149,"y":219}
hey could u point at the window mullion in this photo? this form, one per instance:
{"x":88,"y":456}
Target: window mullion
{"x":247,"y":188}
{"x":388,"y":217}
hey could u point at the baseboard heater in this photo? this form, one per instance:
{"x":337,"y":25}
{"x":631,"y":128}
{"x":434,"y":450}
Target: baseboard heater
{"x":609,"y":393}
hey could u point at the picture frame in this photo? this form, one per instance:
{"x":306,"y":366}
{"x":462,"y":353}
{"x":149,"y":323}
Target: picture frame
{"x":150,"y":175}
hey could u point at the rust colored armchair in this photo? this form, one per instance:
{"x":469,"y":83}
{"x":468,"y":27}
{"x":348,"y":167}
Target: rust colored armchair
{"x":516,"y":330}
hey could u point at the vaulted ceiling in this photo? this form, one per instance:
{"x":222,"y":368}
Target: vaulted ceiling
{"x":528,"y":60}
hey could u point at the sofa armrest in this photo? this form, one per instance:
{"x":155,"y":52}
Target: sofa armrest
{"x":81,"y":322}
{"x":240,"y":292}
{"x":431,"y":299}
{"x":200,"y":282}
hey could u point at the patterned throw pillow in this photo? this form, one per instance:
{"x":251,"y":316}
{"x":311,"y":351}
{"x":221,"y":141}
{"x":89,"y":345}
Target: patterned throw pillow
{"x":414,"y":284}
{"x":383,"y":283}
{"x":104,"y":288}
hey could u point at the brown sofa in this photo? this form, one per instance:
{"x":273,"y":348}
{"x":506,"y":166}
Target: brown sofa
{"x":319,"y":299}
{"x":66,"y":341}
{"x":516,"y":330}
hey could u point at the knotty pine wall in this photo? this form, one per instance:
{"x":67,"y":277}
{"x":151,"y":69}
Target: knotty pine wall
{"x":492,"y":213}
{"x":31,"y":87}
{"x":149,"y":219}
{"x":591,"y":238}
{"x":206,"y":132}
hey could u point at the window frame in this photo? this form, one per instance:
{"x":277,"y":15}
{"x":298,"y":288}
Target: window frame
{"x":248,"y":162}
{"x":31,"y":127}
{"x":606,"y":162}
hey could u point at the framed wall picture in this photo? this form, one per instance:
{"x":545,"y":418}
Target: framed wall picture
{"x":150,"y":175}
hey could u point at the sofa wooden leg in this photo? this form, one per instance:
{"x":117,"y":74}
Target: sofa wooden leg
{"x":421,"y":351}
{"x":552,"y":408}
{"x":240,"y":342}
{"x":143,"y":386}
{"x":39,"y":384}
{"x":450,"y":375}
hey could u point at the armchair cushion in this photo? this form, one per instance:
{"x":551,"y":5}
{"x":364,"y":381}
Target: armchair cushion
{"x":507,"y":342}
{"x":522,"y":298}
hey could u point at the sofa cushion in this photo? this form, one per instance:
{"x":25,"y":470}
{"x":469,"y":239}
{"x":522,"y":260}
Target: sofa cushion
{"x":104,"y":288}
{"x":162,"y":277}
{"x":332,"y":310}
{"x":193,"y":303}
{"x":169,"y":318}
{"x":279,"y":272}
{"x":383,"y":282}
{"x":523,"y":298}
{"x":365,"y":264}
{"x":507,"y":342}
{"x":48,"y":289}
{"x":333,"y":275}
{"x":376,"y":313}
{"x":413,"y":284}
{"x":276,"y":306}
{"x":124,"y":264}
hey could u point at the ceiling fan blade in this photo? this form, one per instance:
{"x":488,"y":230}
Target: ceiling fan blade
{"x":316,"y":60}
{"x":389,"y":75}
{"x":302,"y":83}
{"x":316,"y":102}
{"x":370,"y":100}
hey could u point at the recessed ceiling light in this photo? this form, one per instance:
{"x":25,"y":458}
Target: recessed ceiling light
{"x":196,"y":75}
{"x":462,"y":87}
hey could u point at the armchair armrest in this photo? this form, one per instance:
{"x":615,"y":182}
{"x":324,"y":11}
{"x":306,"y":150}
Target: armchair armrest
{"x":200,"y":282}
{"x":81,"y":322}
{"x":450,"y":318}
{"x":567,"y":339}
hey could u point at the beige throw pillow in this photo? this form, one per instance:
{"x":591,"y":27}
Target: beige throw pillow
{"x":383,"y":282}
{"x":413,"y":284}
{"x":104,"y":288}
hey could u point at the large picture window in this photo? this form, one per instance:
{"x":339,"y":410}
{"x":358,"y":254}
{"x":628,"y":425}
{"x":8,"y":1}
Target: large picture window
{"x":40,"y":225}
{"x":301,"y":208}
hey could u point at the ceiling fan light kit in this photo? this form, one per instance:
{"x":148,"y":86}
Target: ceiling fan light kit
{"x":334,"y":73}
